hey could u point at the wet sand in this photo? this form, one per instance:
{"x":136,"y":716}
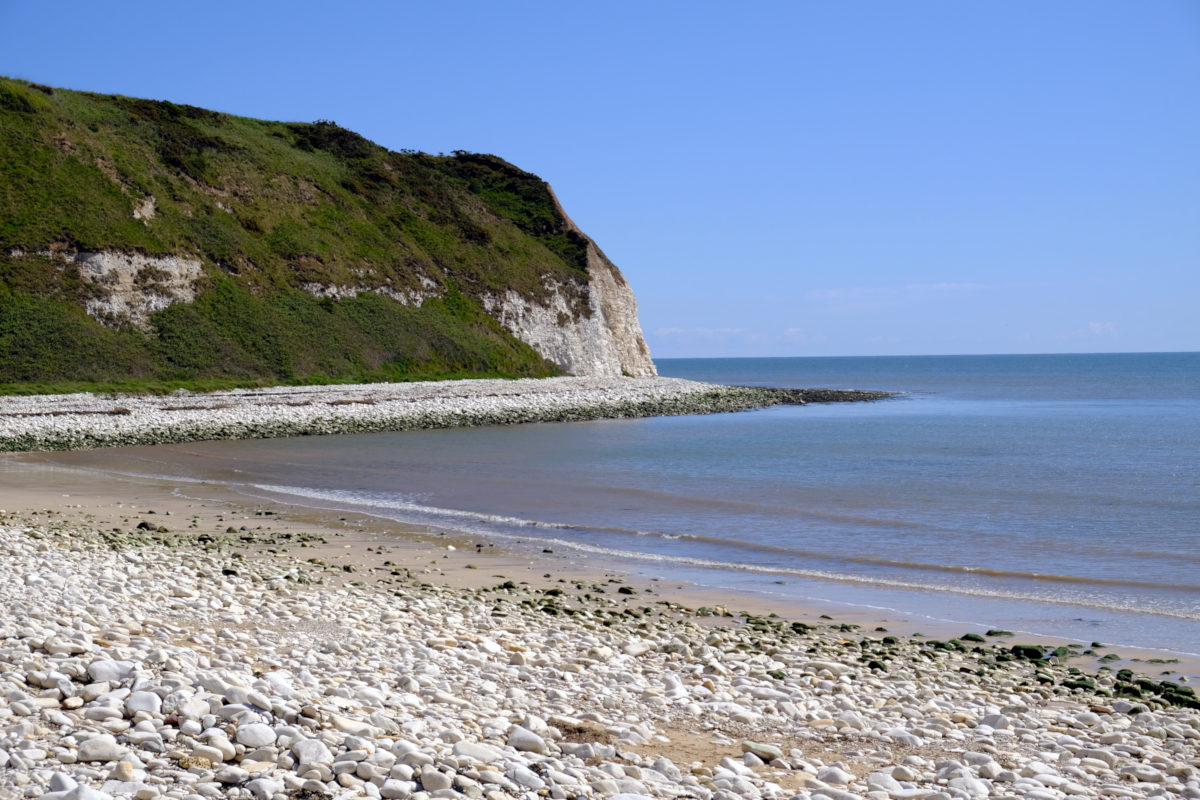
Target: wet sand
{"x":356,"y":547}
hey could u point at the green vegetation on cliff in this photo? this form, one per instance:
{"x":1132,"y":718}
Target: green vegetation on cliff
{"x":277,"y":214}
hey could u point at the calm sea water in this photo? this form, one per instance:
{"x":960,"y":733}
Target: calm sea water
{"x":1054,"y":494}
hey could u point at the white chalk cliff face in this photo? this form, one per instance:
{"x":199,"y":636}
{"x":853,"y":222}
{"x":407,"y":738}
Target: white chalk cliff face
{"x":137,"y":285}
{"x":606,"y":343}
{"x":129,"y":287}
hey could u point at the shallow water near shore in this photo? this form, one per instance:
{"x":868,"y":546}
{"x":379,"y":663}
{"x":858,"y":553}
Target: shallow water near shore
{"x":1049,"y":494}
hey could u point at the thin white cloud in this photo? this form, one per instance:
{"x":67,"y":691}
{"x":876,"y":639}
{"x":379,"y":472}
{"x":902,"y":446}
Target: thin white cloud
{"x":853,"y":299}
{"x":708,"y":334}
{"x":895,"y":292}
{"x":1094,"y":330}
{"x":925,"y":288}
{"x":848,"y":292}
{"x":858,"y":299}
{"x":738,"y":336}
{"x":800,"y":336}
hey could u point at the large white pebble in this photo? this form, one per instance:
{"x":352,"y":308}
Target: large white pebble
{"x":434,"y":781}
{"x":972,"y":786}
{"x":149,"y":702}
{"x":311,"y":751}
{"x":883,"y":782}
{"x":223,"y":744}
{"x":193,"y":708}
{"x":62,"y":782}
{"x":477,"y":751}
{"x":393,"y":788}
{"x":765,"y":752}
{"x":232,"y":774}
{"x":101,"y":748}
{"x":264,"y":788}
{"x":256,"y":734}
{"x":1143,"y":773}
{"x":87,"y":793}
{"x":520,"y":738}
{"x":526,"y":777}
{"x":354,"y":727}
{"x":114,"y":671}
{"x":834,"y":776}
{"x":237,"y":695}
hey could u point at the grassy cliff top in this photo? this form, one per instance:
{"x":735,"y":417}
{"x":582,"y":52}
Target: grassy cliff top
{"x":269,"y":208}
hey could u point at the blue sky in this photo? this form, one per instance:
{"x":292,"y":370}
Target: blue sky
{"x":774,"y":178}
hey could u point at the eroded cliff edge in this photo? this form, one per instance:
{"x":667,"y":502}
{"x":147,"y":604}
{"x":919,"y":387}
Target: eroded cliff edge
{"x":606,"y":341}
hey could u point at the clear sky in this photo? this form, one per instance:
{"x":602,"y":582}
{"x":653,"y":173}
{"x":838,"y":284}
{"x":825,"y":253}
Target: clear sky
{"x":774,"y":178}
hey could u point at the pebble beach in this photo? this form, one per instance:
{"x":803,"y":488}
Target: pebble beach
{"x":212,"y":651}
{"x":173,"y":645}
{"x":83,"y":421}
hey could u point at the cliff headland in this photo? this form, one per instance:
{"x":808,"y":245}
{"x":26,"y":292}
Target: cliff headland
{"x":149,"y":244}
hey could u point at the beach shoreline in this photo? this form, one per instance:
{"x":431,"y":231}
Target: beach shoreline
{"x":616,"y":686}
{"x":30,"y":423}
{"x":468,"y":561}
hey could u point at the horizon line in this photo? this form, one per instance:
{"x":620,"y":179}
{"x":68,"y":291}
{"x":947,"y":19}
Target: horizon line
{"x":942,"y":355}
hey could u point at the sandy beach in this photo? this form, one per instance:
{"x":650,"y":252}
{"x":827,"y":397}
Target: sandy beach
{"x":445,"y":557}
{"x":423,"y":663}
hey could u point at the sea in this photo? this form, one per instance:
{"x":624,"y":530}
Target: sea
{"x":1045,"y":494}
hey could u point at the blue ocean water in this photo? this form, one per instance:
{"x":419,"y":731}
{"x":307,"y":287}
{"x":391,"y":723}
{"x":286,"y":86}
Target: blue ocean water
{"x":1054,"y":494}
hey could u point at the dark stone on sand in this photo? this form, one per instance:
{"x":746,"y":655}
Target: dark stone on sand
{"x":799,"y":397}
{"x":1182,"y":700}
{"x":1029,"y":652}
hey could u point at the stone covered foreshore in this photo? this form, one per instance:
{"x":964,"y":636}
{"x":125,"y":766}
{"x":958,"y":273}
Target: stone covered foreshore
{"x":144,"y":663}
{"x":82,"y":421}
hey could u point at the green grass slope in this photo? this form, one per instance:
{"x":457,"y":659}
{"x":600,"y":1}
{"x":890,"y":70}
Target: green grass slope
{"x":268,"y":208}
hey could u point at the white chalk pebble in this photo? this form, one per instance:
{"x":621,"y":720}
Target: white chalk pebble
{"x":256,"y":734}
{"x":189,"y":674}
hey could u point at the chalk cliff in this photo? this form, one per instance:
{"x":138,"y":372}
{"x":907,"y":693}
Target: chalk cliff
{"x":604,"y":341}
{"x":148,"y":241}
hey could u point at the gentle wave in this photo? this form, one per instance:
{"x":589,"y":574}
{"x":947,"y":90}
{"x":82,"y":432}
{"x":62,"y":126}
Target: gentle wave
{"x":392,"y":503}
{"x":692,"y":502}
{"x":400,"y":504}
{"x":1037,"y":576}
{"x":866,"y":581}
